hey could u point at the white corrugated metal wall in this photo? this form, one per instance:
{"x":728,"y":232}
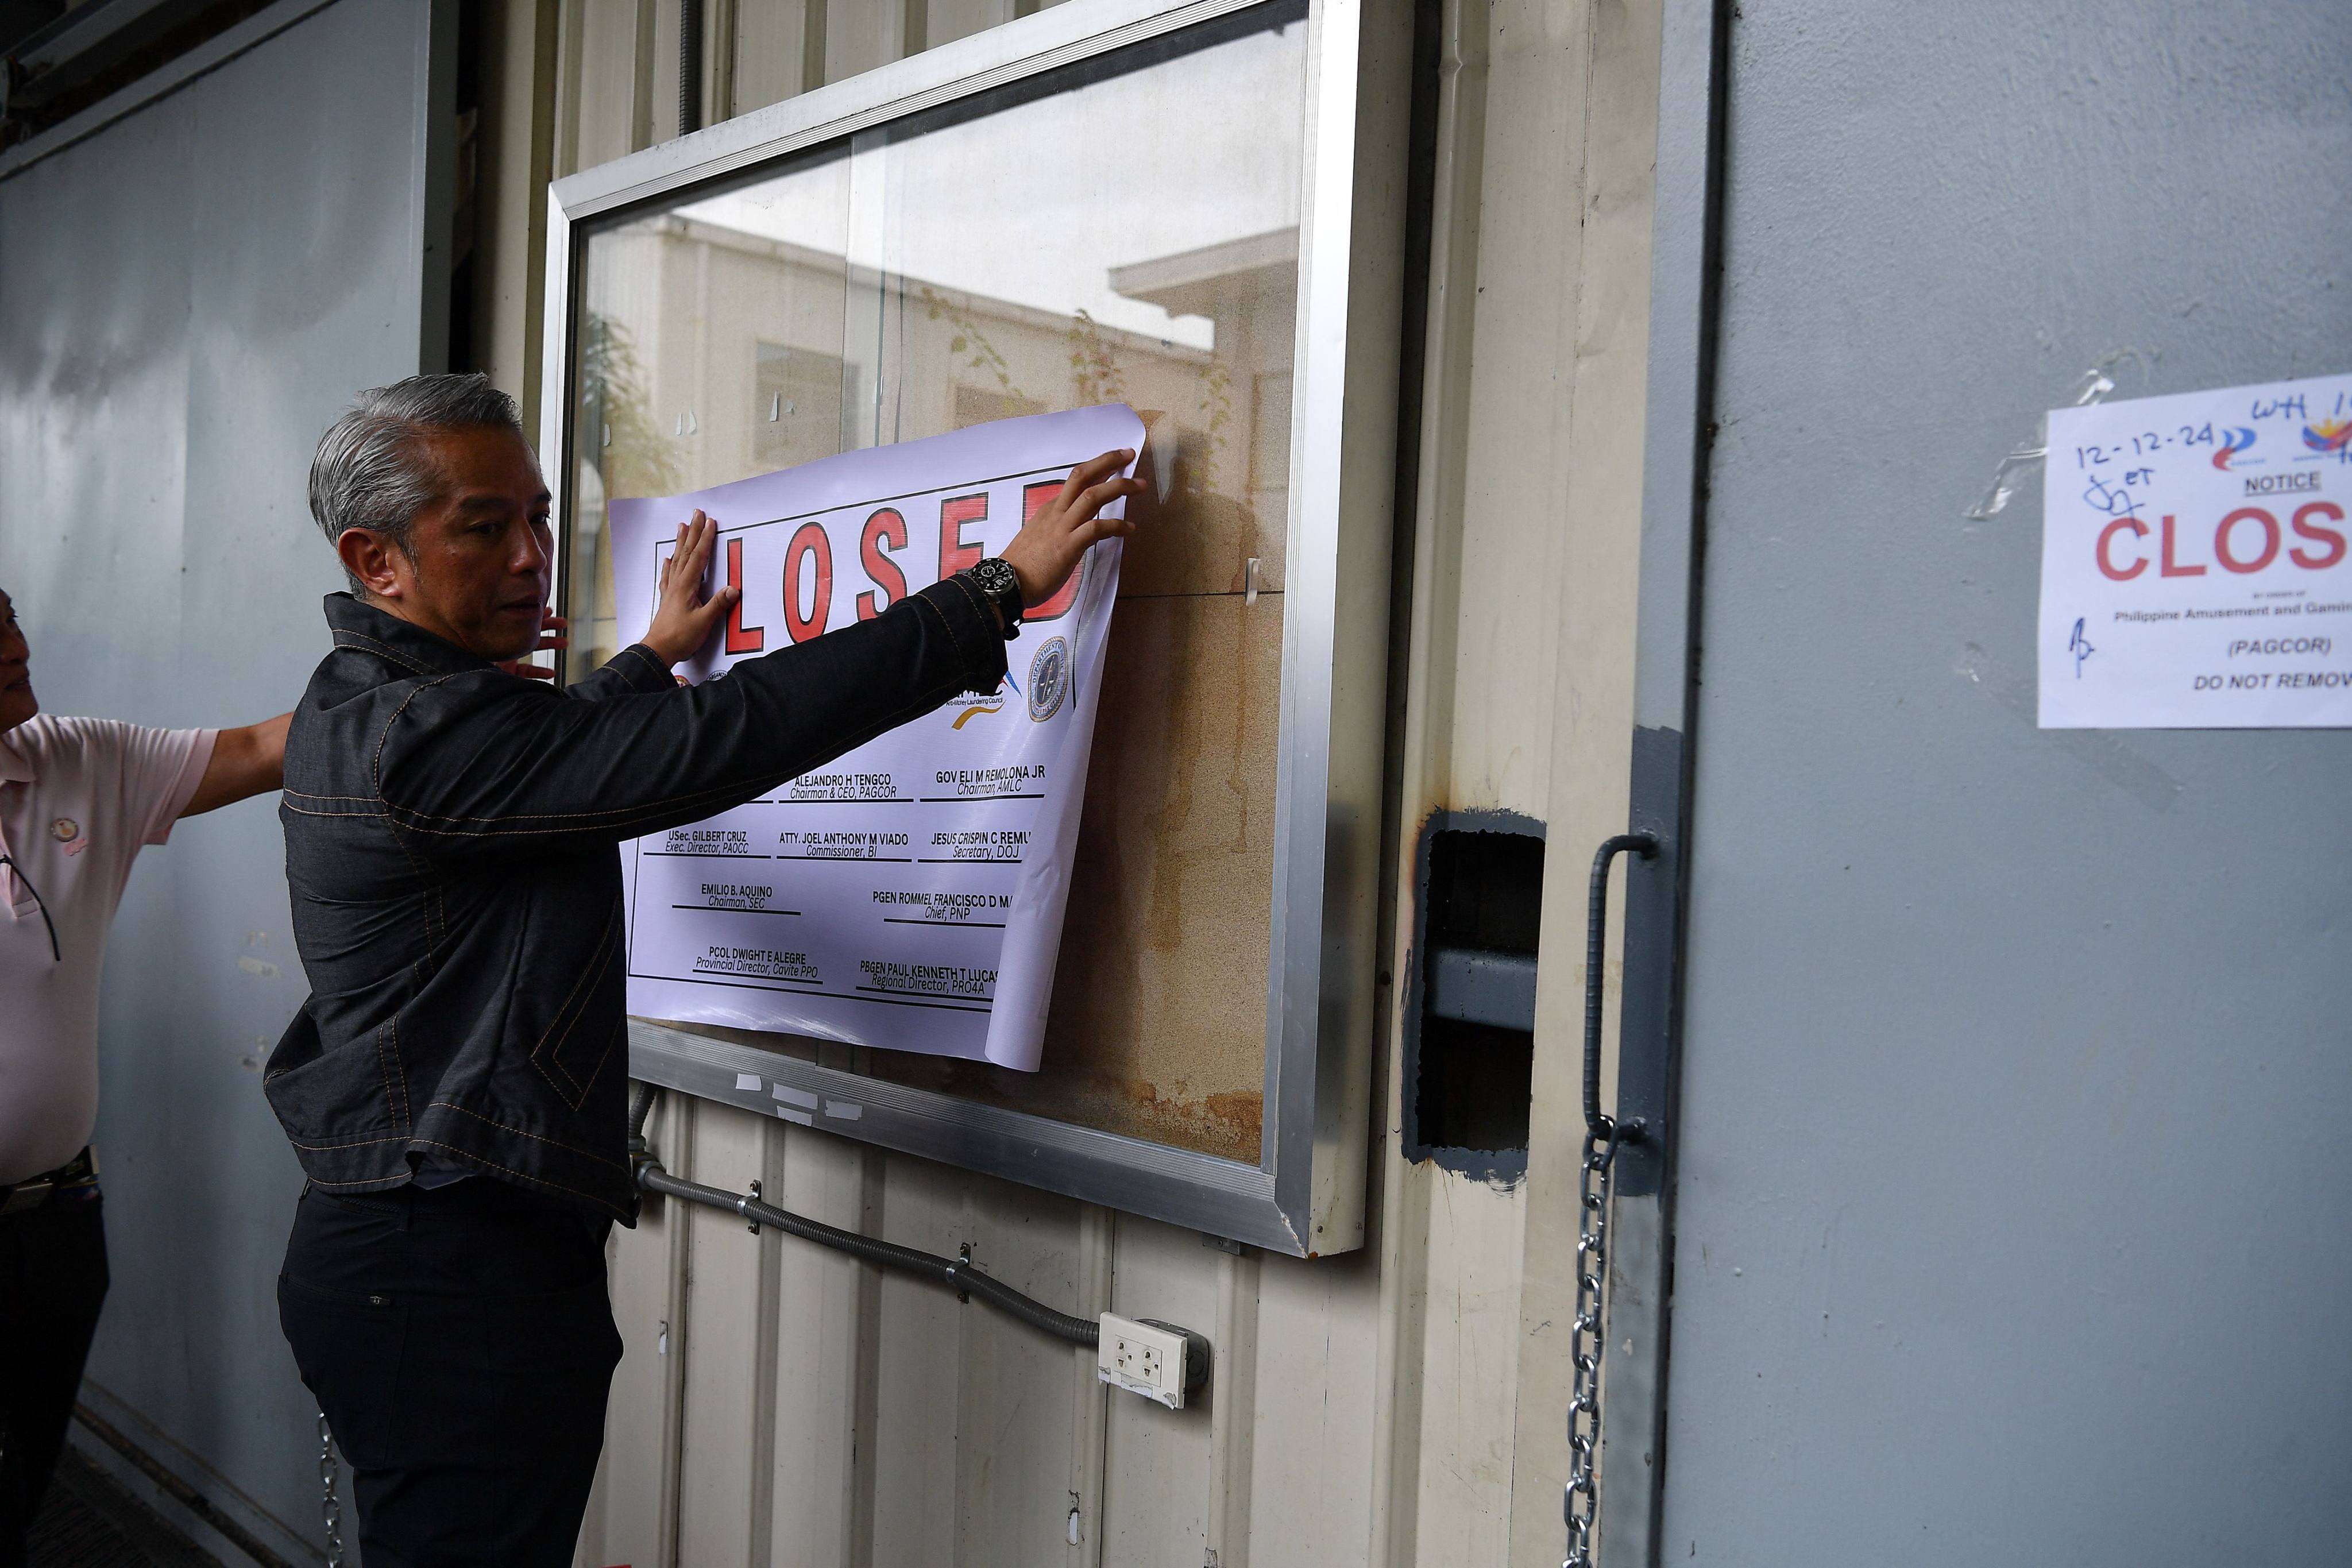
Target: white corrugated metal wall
{"x":782,"y":1405}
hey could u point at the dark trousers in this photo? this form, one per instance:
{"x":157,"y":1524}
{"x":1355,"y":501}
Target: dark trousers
{"x":52,"y":1283}
{"x":461,"y":1344}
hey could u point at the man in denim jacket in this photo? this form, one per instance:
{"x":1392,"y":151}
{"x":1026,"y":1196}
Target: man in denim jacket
{"x":454,"y":1085}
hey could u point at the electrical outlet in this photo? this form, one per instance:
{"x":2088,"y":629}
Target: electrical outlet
{"x":1150,"y":1359}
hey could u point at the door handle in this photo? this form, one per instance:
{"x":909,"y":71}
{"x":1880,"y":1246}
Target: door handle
{"x":1588,"y":1336}
{"x":1596,"y":941}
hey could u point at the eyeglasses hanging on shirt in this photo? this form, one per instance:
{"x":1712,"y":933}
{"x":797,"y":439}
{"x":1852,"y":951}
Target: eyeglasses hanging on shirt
{"x":56,"y":956}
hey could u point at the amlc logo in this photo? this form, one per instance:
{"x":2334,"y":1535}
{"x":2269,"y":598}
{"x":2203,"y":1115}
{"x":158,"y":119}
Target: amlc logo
{"x":977,"y":711}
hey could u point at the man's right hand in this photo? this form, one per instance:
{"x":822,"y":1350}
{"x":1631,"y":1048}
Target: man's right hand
{"x":1050,"y":544}
{"x":685,"y":620}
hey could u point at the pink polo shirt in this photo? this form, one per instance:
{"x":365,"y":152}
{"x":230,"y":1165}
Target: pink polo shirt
{"x":78,"y":799}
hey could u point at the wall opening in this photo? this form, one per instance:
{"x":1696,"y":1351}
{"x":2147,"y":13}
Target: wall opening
{"x":1470,"y":1033}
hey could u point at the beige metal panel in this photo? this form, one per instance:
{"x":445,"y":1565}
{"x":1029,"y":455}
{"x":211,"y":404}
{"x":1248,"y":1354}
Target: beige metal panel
{"x":515,"y":154}
{"x":1594,"y":699}
{"x":976,"y":1451}
{"x":917,"y":1382}
{"x":1161,"y":1491}
{"x":998,"y":1396}
{"x":633,"y":1514}
{"x":1089,"y":1397}
{"x":1494,"y":597}
{"x":657,"y":48}
{"x":778,"y":51}
{"x":1469,"y":1365}
{"x":1313,"y":1459}
{"x":719,"y":34}
{"x":1428,"y":1476}
{"x":604,"y":104}
{"x":1441,"y":1473}
{"x":571,"y":65}
{"x":860,"y":35}
{"x":729,"y":1351}
{"x":1448,"y":382}
{"x":1517,"y":626}
{"x":1232,"y":1407}
{"x":1014,"y":1392}
{"x":827,"y":1344}
{"x":948,"y":20}
{"x":975,"y":1448}
{"x":1515,"y":457}
{"x":1424,"y":764}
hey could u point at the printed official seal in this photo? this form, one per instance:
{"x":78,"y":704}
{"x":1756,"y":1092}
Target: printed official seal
{"x":1049,"y":678}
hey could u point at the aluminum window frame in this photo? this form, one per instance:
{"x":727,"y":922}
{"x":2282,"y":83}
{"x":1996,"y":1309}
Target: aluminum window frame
{"x":1305,"y":1196}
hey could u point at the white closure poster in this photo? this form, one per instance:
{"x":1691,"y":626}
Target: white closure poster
{"x":2194,"y":561}
{"x":909,"y":894}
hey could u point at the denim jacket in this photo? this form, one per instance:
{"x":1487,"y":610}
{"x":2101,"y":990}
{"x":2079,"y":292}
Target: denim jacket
{"x":452,"y":839}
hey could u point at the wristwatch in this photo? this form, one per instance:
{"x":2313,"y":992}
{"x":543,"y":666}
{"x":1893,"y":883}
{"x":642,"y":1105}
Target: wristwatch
{"x":998,"y":584}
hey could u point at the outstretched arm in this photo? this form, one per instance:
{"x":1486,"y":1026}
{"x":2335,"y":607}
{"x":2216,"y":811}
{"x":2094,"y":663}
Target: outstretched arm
{"x":245,"y":762}
{"x":486,"y":765}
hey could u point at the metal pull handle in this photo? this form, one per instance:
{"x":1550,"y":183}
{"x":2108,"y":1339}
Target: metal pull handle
{"x":1588,"y":1333}
{"x":1596,"y":941}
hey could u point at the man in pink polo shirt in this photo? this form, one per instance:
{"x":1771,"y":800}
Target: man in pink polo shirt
{"x":78,"y":799}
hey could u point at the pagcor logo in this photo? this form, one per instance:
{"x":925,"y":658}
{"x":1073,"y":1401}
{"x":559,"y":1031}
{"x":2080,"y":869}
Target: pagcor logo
{"x":2232,"y":443}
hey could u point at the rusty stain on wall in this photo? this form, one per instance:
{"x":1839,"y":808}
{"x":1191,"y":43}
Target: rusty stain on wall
{"x":1158,"y":1028}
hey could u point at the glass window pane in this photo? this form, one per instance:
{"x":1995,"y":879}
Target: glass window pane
{"x":1125,"y":230}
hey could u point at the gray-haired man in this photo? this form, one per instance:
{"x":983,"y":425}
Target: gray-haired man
{"x":454,"y":1086}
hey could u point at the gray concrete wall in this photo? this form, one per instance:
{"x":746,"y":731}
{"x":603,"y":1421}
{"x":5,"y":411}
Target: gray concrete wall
{"x":185,"y":299}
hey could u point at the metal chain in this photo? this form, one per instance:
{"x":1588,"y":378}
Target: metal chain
{"x":330,"y":1505}
{"x":1586,"y":1339}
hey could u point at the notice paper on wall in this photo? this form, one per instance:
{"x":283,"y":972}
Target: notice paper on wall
{"x":2194,"y":561}
{"x":909,"y":894}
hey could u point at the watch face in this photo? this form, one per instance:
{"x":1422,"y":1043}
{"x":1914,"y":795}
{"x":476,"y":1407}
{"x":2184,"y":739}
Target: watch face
{"x":996,"y":579}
